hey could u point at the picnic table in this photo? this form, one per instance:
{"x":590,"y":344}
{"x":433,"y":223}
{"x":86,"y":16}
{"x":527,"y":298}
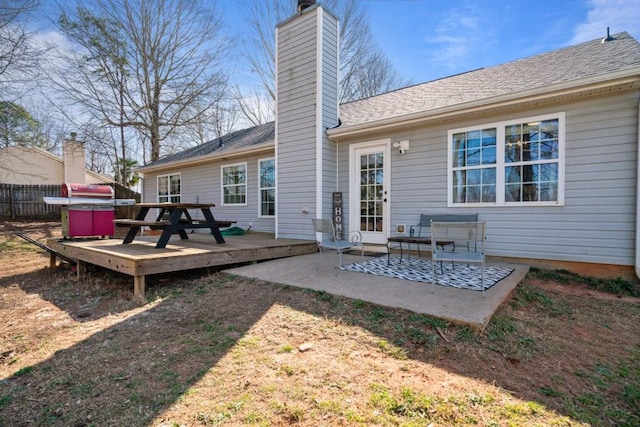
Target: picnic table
{"x":179,"y":220}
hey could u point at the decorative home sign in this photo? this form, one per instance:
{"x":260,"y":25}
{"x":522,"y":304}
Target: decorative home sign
{"x":337,"y":214}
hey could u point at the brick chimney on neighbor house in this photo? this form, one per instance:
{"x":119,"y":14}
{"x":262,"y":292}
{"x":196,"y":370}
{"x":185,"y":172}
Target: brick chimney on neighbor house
{"x":73,"y":160}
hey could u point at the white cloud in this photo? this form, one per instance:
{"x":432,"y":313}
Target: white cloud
{"x":456,"y":37}
{"x":618,"y":15}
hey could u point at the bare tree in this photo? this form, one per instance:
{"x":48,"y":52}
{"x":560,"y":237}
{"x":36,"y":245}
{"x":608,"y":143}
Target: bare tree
{"x":358,"y":50}
{"x":18,"y":56}
{"x":167,"y":57}
{"x":370,"y":75}
{"x":257,"y":108}
{"x":101,"y":82}
{"x":216,"y":121}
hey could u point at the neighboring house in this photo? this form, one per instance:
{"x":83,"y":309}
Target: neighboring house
{"x":544,"y":149}
{"x":24,"y":165}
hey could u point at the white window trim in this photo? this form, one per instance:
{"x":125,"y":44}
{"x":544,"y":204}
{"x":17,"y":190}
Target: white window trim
{"x":168,"y":175}
{"x":500,"y":164}
{"x":266,"y":159}
{"x":246,"y":180}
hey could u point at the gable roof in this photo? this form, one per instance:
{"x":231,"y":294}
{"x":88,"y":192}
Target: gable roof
{"x":590,"y":60}
{"x":261,"y":136}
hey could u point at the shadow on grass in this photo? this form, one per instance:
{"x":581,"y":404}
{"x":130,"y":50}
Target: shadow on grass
{"x":131,"y":372}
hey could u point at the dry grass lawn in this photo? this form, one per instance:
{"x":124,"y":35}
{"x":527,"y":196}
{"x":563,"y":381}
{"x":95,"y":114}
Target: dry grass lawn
{"x":209,"y":348}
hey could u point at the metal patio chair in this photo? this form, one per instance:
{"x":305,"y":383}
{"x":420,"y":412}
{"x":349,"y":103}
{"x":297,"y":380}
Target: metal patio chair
{"x":468,"y":240}
{"x":328,"y":240}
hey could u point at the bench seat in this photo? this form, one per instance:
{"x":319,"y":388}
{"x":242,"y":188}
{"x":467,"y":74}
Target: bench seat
{"x":162,"y":223}
{"x":221,"y":223}
{"x":140,"y":223}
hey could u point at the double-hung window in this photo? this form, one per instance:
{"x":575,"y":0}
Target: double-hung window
{"x":169,"y":188}
{"x":267,"y":187}
{"x":234,"y":184}
{"x":517,"y":162}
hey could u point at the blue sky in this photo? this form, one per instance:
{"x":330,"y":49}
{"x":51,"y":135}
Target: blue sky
{"x":429,"y":39}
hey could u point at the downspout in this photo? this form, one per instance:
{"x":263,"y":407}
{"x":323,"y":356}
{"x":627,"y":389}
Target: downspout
{"x":637,"y":263}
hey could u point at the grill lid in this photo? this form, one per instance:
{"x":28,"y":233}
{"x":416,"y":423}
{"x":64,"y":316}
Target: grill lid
{"x":86,"y":190}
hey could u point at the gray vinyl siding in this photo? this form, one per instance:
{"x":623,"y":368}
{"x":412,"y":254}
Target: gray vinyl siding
{"x":596,"y":223}
{"x":202,"y":184}
{"x":296,"y":130}
{"x":329,"y":113}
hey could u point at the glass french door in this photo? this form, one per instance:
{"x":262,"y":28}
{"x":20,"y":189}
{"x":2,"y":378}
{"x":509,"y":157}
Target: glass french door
{"x":369,"y":198}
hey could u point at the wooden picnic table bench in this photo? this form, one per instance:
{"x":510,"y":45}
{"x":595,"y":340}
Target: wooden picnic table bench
{"x":160,"y":224}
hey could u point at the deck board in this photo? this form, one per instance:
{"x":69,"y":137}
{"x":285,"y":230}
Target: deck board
{"x":141,"y":258}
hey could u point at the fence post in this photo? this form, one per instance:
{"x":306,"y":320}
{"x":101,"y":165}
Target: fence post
{"x":12,"y":204}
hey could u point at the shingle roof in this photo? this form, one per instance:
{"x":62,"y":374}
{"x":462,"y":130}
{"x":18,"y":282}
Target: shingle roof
{"x":245,"y":138}
{"x":587,"y":59}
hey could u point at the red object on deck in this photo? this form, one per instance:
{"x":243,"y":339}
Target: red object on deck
{"x":86,"y":190}
{"x":88,"y":219}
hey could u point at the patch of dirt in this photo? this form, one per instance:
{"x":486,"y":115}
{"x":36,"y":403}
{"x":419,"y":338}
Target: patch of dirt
{"x":213,"y":349}
{"x":580,"y":290}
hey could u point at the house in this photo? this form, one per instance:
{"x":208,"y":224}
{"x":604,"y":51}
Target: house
{"x":544,"y":149}
{"x":23,"y":165}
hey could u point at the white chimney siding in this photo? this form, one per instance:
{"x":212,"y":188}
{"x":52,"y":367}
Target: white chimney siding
{"x":306,"y":105}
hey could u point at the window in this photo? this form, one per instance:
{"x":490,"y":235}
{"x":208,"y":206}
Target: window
{"x":169,"y":188}
{"x":267,"y":187}
{"x":234,"y":184}
{"x":474,"y":166}
{"x":506,"y":163}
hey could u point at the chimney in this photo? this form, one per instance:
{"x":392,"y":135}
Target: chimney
{"x":303,"y":4}
{"x":306,"y":105}
{"x":73,"y":160}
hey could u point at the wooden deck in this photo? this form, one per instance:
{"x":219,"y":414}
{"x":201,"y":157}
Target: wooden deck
{"x":141,"y":258}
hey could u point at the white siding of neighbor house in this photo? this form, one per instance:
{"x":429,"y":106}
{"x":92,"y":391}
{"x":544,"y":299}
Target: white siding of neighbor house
{"x":596,"y":223}
{"x":202,"y":184}
{"x":306,"y":105}
{"x":34,"y":166}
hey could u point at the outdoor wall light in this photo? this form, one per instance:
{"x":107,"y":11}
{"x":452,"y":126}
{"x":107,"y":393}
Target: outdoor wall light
{"x":402,"y":146}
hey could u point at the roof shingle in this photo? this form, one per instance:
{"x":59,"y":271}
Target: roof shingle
{"x":245,"y":138}
{"x":587,"y":59}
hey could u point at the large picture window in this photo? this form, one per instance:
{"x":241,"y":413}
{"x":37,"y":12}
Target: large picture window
{"x":234,"y":184}
{"x":169,"y":188}
{"x":515,"y":162}
{"x":267,"y":187}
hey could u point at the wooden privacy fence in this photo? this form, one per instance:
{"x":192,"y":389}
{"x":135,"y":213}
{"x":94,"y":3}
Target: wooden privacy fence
{"x":25,"y":201}
{"x":20,"y":202}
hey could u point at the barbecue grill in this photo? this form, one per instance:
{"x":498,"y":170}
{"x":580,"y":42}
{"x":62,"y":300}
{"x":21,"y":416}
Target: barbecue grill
{"x":87,"y":210}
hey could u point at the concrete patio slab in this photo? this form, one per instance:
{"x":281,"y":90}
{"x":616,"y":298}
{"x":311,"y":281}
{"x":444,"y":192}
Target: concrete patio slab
{"x":456,"y":305}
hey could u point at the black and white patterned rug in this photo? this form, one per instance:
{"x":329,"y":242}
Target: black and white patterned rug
{"x":461,"y":276}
